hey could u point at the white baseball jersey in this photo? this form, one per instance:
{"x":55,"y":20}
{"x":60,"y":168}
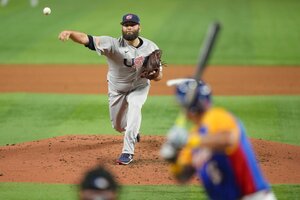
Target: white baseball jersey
{"x":124,"y":61}
{"x":127,"y":91}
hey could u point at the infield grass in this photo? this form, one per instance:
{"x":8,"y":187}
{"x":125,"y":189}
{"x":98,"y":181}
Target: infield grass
{"x":27,"y":117}
{"x":25,"y":191}
{"x":255,"y":32}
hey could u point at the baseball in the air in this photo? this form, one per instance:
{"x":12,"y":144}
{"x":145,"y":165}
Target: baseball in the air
{"x":46,"y":11}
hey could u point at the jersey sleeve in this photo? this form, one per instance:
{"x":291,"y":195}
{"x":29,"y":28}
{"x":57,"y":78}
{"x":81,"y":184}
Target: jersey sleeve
{"x":103,"y":44}
{"x":219,"y":121}
{"x":90,"y":45}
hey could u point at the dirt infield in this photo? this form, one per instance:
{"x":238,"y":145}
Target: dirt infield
{"x":64,"y":159}
{"x":92,"y":79}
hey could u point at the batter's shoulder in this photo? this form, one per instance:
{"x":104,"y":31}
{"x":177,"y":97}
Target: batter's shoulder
{"x":218,"y":112}
{"x":218,"y":116}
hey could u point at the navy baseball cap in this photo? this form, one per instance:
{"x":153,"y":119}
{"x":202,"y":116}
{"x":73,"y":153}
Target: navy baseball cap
{"x":130,"y":18}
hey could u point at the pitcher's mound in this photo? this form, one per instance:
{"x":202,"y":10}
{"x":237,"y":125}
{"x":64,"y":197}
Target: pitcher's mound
{"x":65,"y":159}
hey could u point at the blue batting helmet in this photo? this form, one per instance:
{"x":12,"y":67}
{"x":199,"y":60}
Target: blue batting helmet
{"x":195,"y":96}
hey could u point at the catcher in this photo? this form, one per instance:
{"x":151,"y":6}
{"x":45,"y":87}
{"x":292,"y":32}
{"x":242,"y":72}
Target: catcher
{"x":132,"y":61}
{"x":216,"y":149}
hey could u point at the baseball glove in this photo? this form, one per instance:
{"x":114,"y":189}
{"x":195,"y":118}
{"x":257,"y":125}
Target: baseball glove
{"x":151,"y":65}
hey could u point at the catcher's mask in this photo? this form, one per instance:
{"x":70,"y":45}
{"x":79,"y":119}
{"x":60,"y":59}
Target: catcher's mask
{"x":194,"y":96}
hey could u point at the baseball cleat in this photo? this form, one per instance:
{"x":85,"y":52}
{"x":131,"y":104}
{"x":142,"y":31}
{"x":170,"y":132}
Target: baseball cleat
{"x":125,"y":159}
{"x":138,"y":138}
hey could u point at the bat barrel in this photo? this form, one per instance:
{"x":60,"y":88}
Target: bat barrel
{"x":207,"y":48}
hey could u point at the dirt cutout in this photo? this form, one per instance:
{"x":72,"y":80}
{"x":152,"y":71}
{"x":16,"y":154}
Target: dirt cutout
{"x":91,"y":79}
{"x":65,"y":159}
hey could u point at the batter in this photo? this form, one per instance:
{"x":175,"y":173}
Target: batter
{"x":216,"y":149}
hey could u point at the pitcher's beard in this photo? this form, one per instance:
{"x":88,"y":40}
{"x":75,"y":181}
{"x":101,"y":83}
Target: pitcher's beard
{"x":130,"y":37}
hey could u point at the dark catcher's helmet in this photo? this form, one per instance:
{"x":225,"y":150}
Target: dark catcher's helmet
{"x":99,"y":179}
{"x":194,"y":96}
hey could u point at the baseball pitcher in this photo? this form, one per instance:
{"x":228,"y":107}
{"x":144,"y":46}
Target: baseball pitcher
{"x":132,"y":61}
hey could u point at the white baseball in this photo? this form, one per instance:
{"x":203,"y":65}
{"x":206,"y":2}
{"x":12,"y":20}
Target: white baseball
{"x":47,"y":11}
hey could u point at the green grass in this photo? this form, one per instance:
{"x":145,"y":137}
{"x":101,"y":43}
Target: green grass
{"x":27,"y":117}
{"x":254,"y":32}
{"x":24,"y":191}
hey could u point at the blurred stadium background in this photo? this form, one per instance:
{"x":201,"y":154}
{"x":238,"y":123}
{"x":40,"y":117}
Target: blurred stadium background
{"x":263,"y":32}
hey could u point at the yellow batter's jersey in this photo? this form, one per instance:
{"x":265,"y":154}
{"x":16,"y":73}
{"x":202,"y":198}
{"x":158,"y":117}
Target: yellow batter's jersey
{"x":233,"y":173}
{"x":218,"y":121}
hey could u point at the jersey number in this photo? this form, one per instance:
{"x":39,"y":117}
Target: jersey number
{"x":214,"y":173}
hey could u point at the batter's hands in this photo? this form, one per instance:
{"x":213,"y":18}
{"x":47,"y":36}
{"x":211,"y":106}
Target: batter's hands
{"x":64,"y":35}
{"x":176,"y":138}
{"x":182,"y":169}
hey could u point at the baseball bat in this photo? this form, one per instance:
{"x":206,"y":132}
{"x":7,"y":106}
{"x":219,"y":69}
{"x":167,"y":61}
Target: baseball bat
{"x":206,"y":49}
